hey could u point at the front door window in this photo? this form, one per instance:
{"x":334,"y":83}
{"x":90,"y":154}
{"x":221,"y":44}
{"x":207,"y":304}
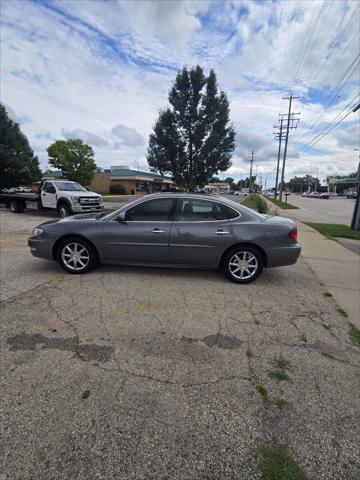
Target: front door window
{"x":152,"y":211}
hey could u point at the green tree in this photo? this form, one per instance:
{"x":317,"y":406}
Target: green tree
{"x":192,"y":139}
{"x":74,"y":158}
{"x":18,"y":164}
{"x":229,"y":180}
{"x":214,"y":180}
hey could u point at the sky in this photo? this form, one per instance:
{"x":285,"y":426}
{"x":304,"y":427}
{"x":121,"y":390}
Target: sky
{"x":101,"y":71}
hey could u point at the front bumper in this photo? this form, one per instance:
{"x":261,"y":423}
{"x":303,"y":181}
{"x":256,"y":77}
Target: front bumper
{"x":282,"y":256}
{"x":77,"y":208}
{"x":41,"y":247}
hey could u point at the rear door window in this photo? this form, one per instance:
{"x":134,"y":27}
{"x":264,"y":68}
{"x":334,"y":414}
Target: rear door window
{"x":194,"y":210}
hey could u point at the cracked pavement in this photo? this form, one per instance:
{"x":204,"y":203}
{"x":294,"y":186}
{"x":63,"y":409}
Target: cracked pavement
{"x":136,"y":373}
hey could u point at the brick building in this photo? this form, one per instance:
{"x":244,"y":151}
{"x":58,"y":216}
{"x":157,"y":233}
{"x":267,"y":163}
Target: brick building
{"x":133,"y":181}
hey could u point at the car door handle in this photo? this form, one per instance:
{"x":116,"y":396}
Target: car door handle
{"x":221,"y":232}
{"x":157,"y":230}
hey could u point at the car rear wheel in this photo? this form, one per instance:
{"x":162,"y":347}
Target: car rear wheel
{"x":16,"y":206}
{"x":243,"y":264}
{"x":76,"y":255}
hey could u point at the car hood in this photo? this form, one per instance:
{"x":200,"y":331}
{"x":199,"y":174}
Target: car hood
{"x":85,"y":217}
{"x":74,"y":193}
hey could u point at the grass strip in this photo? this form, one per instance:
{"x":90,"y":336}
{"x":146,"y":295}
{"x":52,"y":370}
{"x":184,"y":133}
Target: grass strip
{"x":277,"y":463}
{"x":332,"y":230}
{"x":284,"y":205}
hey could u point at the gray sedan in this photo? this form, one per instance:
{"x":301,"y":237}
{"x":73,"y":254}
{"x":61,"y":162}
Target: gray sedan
{"x":171,"y":230}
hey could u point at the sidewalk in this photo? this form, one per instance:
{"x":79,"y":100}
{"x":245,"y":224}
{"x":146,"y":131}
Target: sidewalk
{"x":336,"y":267}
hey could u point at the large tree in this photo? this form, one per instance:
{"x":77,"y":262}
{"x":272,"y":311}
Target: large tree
{"x":193,"y":138}
{"x":18,"y":164}
{"x":74,"y":158}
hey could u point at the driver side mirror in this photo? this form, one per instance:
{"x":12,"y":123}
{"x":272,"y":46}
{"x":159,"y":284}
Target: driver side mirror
{"x":121,"y":217}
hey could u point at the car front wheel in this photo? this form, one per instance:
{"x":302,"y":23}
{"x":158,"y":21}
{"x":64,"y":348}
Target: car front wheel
{"x":76,"y":255}
{"x":64,"y":210}
{"x":243,"y":264}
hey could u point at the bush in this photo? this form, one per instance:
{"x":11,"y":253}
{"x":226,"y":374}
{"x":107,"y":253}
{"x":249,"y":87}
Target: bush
{"x":261,"y":204}
{"x":118,"y":189}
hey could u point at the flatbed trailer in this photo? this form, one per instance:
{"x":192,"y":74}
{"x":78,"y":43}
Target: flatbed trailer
{"x":17,"y":202}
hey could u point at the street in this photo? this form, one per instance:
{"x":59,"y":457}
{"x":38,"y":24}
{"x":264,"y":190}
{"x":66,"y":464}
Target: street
{"x":143,"y":373}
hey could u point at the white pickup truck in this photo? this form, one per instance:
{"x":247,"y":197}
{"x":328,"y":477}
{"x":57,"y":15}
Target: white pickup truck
{"x":67,"y":197}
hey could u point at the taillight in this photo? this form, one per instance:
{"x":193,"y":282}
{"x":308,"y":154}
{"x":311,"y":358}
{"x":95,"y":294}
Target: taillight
{"x":293,"y":234}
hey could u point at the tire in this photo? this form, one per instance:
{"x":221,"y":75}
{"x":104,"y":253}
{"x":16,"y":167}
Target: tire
{"x":64,"y":210}
{"x":85,"y":261}
{"x":16,"y":206}
{"x":251,"y":257}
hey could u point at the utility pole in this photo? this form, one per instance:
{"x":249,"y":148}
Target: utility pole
{"x":290,"y":117}
{"x":355,"y":221}
{"x":251,"y":169}
{"x":278,"y":135}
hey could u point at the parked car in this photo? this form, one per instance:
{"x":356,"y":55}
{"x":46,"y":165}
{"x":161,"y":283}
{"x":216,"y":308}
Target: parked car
{"x":351,"y":194}
{"x":324,"y":196}
{"x":173,"y":230}
{"x":314,"y":194}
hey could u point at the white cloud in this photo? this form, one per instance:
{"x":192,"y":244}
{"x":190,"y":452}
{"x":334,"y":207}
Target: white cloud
{"x":128,"y":136}
{"x":83,"y":67}
{"x":86,"y":137}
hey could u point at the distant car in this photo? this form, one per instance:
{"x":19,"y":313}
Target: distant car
{"x":174,"y":230}
{"x":24,"y":190}
{"x":306,"y":194}
{"x":238,"y":193}
{"x":351,"y":195}
{"x":314,"y":194}
{"x":324,"y":196}
{"x":19,"y":190}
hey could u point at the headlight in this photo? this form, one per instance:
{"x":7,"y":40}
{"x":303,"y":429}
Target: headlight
{"x":36,"y":231}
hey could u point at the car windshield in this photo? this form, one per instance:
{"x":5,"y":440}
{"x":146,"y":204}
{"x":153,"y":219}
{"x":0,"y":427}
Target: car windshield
{"x":70,"y":186}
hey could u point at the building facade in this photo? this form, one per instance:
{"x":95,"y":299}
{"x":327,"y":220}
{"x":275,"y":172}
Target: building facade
{"x":134,"y":182}
{"x":218,"y":188}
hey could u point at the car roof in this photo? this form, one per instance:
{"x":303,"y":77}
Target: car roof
{"x":182,"y":194}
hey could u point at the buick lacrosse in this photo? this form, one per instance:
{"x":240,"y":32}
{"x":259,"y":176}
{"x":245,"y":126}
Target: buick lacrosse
{"x":171,"y":230}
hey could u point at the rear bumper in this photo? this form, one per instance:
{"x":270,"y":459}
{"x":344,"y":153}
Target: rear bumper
{"x":41,"y":248}
{"x":281,"y":256}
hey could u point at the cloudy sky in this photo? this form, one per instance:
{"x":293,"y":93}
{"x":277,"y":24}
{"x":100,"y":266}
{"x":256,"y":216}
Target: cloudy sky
{"x":101,"y":70}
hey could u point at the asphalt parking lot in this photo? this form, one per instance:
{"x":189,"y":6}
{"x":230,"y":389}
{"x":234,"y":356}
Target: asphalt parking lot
{"x":136,"y":373}
{"x":334,"y":210}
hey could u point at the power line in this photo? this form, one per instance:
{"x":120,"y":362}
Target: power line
{"x":335,"y":93}
{"x":337,"y":39}
{"x":334,"y":123}
{"x":309,"y":38}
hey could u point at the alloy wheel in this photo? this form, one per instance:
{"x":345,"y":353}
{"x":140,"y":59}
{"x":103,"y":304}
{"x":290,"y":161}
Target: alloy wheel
{"x":75,"y":256}
{"x":243,"y":265}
